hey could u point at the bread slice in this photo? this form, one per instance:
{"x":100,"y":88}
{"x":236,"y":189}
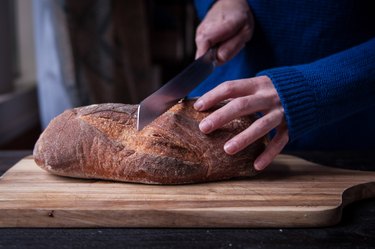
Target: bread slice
{"x":101,"y":142}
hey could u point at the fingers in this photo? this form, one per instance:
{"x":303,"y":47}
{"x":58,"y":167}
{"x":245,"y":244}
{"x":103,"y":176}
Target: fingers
{"x":273,"y":149}
{"x":231,"y":47}
{"x":247,"y":96}
{"x":234,"y":109}
{"x":203,"y":42}
{"x":211,"y":33}
{"x":226,"y":90}
{"x":255,"y":131}
{"x":229,"y":23}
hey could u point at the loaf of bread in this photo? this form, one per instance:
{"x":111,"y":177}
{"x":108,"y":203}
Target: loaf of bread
{"x":101,"y":142}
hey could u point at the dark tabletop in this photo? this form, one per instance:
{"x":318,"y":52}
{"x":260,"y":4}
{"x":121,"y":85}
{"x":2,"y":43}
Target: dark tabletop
{"x":356,"y":230}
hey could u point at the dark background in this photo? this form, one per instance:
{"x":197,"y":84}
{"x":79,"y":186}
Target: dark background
{"x":170,"y":26}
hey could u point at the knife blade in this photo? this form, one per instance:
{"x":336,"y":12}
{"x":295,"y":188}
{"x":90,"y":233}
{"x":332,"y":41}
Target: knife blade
{"x":175,"y":89}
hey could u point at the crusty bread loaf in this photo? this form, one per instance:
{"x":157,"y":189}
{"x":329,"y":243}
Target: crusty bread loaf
{"x":101,"y":141}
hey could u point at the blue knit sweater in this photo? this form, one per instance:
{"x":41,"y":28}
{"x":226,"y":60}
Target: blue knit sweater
{"x":320,"y":55}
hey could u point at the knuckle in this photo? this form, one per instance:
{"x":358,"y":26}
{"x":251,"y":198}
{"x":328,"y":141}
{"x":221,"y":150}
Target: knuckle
{"x":200,"y":35}
{"x":280,"y":114}
{"x":249,"y":139}
{"x":241,"y":104}
{"x":218,"y":120}
{"x":227,"y":88}
{"x":257,"y":83}
{"x":199,"y":38}
{"x":274,"y":96}
{"x":264,"y":122}
{"x":230,"y":24}
{"x":253,"y":83}
{"x":258,"y":129}
{"x":201,"y":29}
{"x":242,"y":141}
{"x":213,"y":117}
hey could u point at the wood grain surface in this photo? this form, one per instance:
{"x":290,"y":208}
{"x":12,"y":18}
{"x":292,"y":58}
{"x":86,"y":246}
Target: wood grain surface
{"x":290,"y":193}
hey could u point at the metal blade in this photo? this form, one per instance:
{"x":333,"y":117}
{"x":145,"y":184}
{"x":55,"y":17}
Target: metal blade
{"x":175,"y":89}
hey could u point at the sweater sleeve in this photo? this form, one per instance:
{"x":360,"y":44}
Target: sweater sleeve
{"x":327,"y":90}
{"x":202,"y":7}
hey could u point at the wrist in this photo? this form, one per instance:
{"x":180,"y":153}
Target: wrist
{"x":297,"y":99}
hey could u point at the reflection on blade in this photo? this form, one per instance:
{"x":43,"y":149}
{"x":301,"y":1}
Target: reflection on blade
{"x":175,"y":89}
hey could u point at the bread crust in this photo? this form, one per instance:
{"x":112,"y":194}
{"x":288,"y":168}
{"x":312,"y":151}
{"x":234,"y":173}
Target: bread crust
{"x":101,"y":142}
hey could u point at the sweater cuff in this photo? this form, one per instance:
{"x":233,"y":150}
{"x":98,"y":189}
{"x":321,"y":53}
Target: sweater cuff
{"x":296,"y":98}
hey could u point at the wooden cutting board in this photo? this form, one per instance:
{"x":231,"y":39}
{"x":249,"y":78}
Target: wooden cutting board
{"x":290,"y":193}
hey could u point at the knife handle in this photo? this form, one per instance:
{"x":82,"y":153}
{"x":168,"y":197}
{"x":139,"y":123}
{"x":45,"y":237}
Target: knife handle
{"x":210,"y":56}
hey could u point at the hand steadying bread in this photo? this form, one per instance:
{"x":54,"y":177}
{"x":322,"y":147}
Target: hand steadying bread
{"x":101,"y":142}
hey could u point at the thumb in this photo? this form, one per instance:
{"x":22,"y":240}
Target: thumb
{"x":202,"y":47}
{"x":210,"y":34}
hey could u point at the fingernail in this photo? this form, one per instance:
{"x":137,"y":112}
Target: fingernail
{"x":222,"y":54}
{"x":231,"y":147}
{"x":206,"y":126}
{"x":258,"y":165}
{"x":198,"y":105}
{"x":198,"y":54}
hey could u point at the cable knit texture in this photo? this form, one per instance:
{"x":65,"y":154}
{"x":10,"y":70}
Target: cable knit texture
{"x":320,"y":55}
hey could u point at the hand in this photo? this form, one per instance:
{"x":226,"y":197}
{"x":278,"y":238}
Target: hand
{"x":247,"y":96}
{"x":229,"y":24}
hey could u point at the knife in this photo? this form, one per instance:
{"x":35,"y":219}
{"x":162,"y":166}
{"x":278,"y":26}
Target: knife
{"x":175,"y":89}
